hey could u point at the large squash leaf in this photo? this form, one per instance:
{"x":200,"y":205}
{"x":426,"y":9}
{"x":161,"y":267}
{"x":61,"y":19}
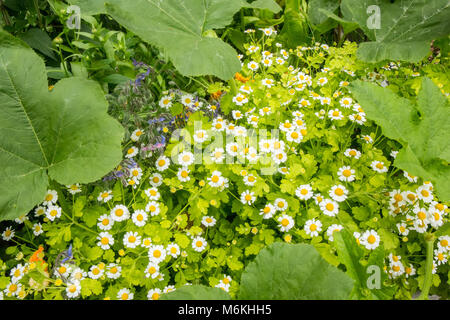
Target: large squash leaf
{"x":406,"y":27}
{"x":197,"y":292}
{"x":425,"y":138}
{"x":65,"y":134}
{"x":181,"y":28}
{"x":293,"y":272}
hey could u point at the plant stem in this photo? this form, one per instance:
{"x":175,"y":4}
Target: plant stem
{"x":429,"y":243}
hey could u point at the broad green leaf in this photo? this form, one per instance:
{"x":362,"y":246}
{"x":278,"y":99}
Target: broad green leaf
{"x":64,"y":134}
{"x":349,"y":254}
{"x":405,"y":27}
{"x":295,"y":28}
{"x":426,"y":140}
{"x":376,"y":263}
{"x":182,"y":29}
{"x":293,"y":272}
{"x":314,"y":10}
{"x":39,"y":40}
{"x":196,"y":292}
{"x":348,"y":26}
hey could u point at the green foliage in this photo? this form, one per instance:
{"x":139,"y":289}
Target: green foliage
{"x":197,"y":292}
{"x":405,"y":31}
{"x":64,"y":134}
{"x":184,"y":30}
{"x":293,"y":272}
{"x":421,"y":128}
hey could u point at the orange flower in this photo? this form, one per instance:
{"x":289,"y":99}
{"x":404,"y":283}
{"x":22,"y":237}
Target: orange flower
{"x":38,"y":256}
{"x":241,"y":78}
{"x":216,"y":95}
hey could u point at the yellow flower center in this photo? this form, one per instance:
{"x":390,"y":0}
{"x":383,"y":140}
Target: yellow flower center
{"x":285,"y":222}
{"x":119,"y":212}
{"x":105,"y":241}
{"x":329,"y":206}
{"x":199,"y":244}
{"x":371,"y":239}
{"x":313,"y":227}
{"x":157,"y":253}
{"x":339,"y":191}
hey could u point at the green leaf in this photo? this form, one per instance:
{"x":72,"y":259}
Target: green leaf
{"x":314,"y":10}
{"x":405,"y":28}
{"x":350,"y":254}
{"x":39,"y":40}
{"x":196,"y":292}
{"x":293,"y":272}
{"x":90,"y":287}
{"x":180,"y":28}
{"x":65,"y":135}
{"x":295,"y":28}
{"x":426,"y":141}
{"x":443,"y":230}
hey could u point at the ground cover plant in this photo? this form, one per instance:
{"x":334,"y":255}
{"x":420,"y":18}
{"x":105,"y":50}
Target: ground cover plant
{"x":149,"y":177}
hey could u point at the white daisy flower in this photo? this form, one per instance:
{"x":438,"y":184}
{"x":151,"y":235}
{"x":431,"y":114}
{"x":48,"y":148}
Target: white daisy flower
{"x":346,"y":102}
{"x":378,"y":166}
{"x":304,"y":192}
{"x":338,"y":193}
{"x":162,"y":163}
{"x":352,"y":153}
{"x":286,"y":223}
{"x":131,"y":239}
{"x":183,"y":174}
{"x":370,"y":239}
{"x":200,"y":136}
{"x":156,"y":180}
{"x":105,"y":222}
{"x":139,"y":218}
{"x":252,"y":65}
{"x":216,"y":179}
{"x":187,"y":100}
{"x":173,"y":249}
{"x":185,"y":158}
{"x":237,"y":114}
{"x":105,"y":240}
{"x":157,"y":253}
{"x":53,"y":212}
{"x":95,"y":272}
{"x":74,"y":188}
{"x":240,"y":99}
{"x":165,"y":102}
{"x":119,"y":213}
{"x":50,"y":198}
{"x":132,"y":152}
{"x":313,"y":227}
{"x":125,"y":294}
{"x":280,"y":204}
{"x":248,"y":197}
{"x":329,"y":207}
{"x":136,"y":134}
{"x":208,"y":221}
{"x":153,"y":208}
{"x":268,"y":211}
{"x":199,"y":244}
{"x":37,"y":229}
{"x":73,"y":290}
{"x":154,"y":294}
{"x":331,"y":229}
{"x":152,"y":270}
{"x":346,"y":173}
{"x":113,"y":271}
{"x":152,"y":193}
{"x":335,"y":114}
{"x":105,"y":196}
